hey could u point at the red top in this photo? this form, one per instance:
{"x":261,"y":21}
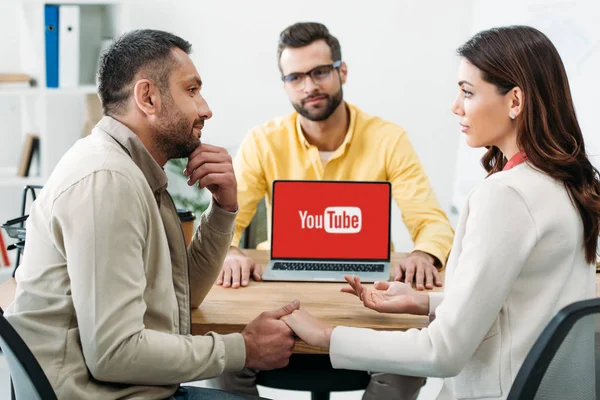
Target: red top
{"x":515,"y":160}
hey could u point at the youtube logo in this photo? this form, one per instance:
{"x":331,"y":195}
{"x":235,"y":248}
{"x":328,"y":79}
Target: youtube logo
{"x":333,"y":220}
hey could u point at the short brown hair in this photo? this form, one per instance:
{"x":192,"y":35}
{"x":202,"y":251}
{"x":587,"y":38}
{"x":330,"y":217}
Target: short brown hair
{"x":132,"y":52}
{"x":302,"y":34}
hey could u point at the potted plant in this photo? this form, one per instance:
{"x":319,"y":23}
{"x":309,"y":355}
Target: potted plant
{"x":185,"y":197}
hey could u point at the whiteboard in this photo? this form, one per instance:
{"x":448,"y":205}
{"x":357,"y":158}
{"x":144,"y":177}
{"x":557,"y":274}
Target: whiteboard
{"x":574,"y":29}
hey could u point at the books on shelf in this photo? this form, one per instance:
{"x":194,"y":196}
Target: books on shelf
{"x":68,"y":46}
{"x":31,"y":147}
{"x":63,"y":37}
{"x":51,"y":37}
{"x":15,"y":81}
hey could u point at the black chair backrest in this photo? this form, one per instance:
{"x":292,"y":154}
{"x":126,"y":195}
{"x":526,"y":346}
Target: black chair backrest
{"x":257,"y":230}
{"x":29,"y":380}
{"x":562,"y":362}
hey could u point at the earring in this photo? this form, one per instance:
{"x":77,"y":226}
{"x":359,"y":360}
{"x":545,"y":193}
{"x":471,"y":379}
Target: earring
{"x":512,"y":115}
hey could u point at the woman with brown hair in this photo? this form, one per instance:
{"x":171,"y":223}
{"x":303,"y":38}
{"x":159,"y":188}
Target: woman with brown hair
{"x":525,"y":244}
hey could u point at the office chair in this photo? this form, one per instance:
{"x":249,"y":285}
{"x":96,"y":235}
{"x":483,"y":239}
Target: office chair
{"x":563,"y":362}
{"x":256,"y":232}
{"x":16,"y":227}
{"x":313,"y":373}
{"x":28,"y":380}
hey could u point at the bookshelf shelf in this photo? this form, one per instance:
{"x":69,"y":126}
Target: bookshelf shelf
{"x":21,"y":182}
{"x":58,"y":116}
{"x":9,"y":178}
{"x":83,"y":89}
{"x":74,"y":2}
{"x":18,"y":91}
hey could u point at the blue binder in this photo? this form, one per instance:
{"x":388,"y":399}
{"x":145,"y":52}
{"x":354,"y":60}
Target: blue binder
{"x":51,"y":35}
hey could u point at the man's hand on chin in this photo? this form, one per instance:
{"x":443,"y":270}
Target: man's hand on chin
{"x":212,"y":168}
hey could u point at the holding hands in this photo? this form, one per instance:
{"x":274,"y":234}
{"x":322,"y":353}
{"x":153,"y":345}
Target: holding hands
{"x":385,"y":297}
{"x":312,"y":331}
{"x":269,"y":342}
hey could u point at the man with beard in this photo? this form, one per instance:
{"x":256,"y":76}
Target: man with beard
{"x":329,"y":139}
{"x":106,"y":287}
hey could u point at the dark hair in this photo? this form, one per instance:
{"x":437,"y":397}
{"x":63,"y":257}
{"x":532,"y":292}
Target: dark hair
{"x":548,"y":131}
{"x":146,"y":49}
{"x":304,"y":33}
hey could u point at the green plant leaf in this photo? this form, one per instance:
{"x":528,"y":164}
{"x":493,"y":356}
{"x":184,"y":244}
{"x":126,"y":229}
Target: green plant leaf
{"x":199,"y":201}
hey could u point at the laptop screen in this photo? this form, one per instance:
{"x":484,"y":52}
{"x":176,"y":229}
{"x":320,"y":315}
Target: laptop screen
{"x":331,"y":220}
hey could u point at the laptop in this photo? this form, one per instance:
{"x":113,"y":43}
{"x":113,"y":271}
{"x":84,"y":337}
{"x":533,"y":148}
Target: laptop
{"x":323,"y":230}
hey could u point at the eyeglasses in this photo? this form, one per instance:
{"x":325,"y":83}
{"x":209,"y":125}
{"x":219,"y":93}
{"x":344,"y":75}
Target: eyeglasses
{"x":318,"y":75}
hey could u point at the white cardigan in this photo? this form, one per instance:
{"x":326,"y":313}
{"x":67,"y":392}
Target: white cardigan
{"x":517,"y":259}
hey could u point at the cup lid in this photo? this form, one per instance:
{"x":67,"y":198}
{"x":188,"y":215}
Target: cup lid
{"x":185,"y":215}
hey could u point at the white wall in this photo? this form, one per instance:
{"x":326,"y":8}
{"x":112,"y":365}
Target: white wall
{"x":9,"y":49}
{"x":10,"y":118}
{"x":573,"y":28}
{"x":401,"y":58}
{"x":400,"y":55}
{"x":9,"y":62}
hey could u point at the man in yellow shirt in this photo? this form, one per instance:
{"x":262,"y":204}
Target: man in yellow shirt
{"x":328,"y":139}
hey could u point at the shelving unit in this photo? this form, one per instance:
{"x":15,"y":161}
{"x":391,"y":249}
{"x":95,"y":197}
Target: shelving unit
{"x":83,"y":89}
{"x":34,"y":91}
{"x":56,"y":115}
{"x":20,"y":181}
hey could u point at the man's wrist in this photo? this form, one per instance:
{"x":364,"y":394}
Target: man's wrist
{"x":235,"y":351}
{"x":247,"y":361}
{"x":235,"y":251}
{"x":232,"y":208}
{"x":431,"y":259}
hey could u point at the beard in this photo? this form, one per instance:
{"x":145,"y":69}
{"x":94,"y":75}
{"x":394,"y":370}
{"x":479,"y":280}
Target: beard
{"x":174,"y":135}
{"x":321,"y":114}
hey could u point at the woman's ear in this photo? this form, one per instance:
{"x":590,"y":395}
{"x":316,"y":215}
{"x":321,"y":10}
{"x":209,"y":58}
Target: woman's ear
{"x":147,"y":97}
{"x":516,"y":100}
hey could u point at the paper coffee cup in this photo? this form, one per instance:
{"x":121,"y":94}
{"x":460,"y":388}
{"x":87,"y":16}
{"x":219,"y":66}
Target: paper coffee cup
{"x":187,"y":219}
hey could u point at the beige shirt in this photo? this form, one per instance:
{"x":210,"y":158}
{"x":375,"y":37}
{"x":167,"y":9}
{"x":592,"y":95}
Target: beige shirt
{"x":105,"y":288}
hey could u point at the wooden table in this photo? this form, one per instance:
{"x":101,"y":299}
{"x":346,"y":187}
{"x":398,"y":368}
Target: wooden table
{"x":230,"y":310}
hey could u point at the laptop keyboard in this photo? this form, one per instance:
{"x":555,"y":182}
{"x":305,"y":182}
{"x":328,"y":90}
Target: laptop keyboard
{"x":335,"y":267}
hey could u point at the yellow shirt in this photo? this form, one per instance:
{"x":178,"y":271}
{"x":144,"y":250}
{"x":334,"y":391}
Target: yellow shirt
{"x":373,"y":150}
